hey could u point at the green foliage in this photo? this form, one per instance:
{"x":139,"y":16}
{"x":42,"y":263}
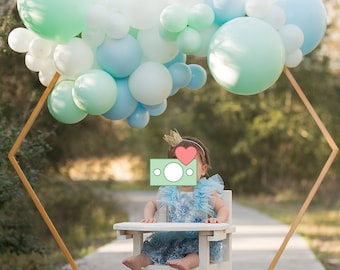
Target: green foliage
{"x":16,"y":234}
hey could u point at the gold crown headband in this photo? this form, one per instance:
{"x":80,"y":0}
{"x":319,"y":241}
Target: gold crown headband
{"x":174,"y":138}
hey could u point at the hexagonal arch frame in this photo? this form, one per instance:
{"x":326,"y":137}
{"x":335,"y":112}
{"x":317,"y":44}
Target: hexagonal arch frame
{"x":293,"y":226}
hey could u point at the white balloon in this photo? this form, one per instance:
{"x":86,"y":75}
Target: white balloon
{"x":150,"y":83}
{"x":46,"y":75}
{"x":154,"y":47}
{"x":117,"y":26}
{"x":257,"y":8}
{"x":294,"y":58}
{"x":40,"y":48}
{"x":73,"y":58}
{"x":292,"y":37}
{"x":35,"y":63}
{"x":93,"y":37}
{"x":276,"y":17}
{"x":142,"y":14}
{"x":20,"y":38}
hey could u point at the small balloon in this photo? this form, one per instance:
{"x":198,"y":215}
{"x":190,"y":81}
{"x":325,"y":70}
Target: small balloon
{"x":125,"y":104}
{"x":276,"y":17}
{"x":198,"y":78}
{"x":174,"y":18}
{"x":40,"y":48}
{"x":117,"y":26}
{"x":20,"y":38}
{"x":61,"y":105}
{"x":156,"y":110}
{"x":139,"y":118}
{"x":294,"y":58}
{"x":201,"y":16}
{"x":189,"y":41}
{"x":292,"y":37}
{"x":181,"y":74}
{"x":93,"y":37}
{"x":46,"y":74}
{"x":95,"y":92}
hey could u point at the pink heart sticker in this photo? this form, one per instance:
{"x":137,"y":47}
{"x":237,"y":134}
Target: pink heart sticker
{"x":185,"y":155}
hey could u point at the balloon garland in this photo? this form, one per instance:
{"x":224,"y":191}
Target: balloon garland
{"x":123,"y":58}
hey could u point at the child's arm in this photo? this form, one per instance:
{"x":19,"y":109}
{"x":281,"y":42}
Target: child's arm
{"x":221,"y":210}
{"x":149,"y":212}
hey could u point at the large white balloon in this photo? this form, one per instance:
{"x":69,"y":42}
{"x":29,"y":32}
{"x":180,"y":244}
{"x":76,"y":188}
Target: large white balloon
{"x":154,"y":47}
{"x":150,"y":83}
{"x":73,"y":58}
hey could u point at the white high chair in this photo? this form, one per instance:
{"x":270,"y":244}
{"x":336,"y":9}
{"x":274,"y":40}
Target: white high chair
{"x":207,"y":232}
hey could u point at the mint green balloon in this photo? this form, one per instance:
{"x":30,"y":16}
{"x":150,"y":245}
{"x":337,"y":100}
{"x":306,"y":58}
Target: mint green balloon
{"x":61,"y":105}
{"x":58,"y":20}
{"x":95,"y":92}
{"x":246,"y":56}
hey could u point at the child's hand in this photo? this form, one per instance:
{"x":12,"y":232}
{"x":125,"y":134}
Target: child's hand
{"x":212,"y":220}
{"x":149,"y":220}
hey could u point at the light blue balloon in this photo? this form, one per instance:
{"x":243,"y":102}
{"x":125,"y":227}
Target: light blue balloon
{"x":181,"y":74}
{"x":139,"y":118}
{"x":125,"y":104}
{"x":119,"y":57}
{"x":310,"y":16}
{"x":156,"y":110}
{"x":198,"y":78}
{"x":226,"y":10}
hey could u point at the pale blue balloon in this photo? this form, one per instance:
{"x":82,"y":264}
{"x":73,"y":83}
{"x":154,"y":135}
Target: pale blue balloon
{"x":181,"y":74}
{"x":125,"y":104}
{"x":226,"y":10}
{"x":156,"y":110}
{"x":119,"y":57}
{"x":139,"y":118}
{"x":198,"y":78}
{"x":310,"y":16}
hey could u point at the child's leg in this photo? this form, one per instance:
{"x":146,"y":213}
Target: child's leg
{"x":137,"y":262}
{"x":190,"y":261}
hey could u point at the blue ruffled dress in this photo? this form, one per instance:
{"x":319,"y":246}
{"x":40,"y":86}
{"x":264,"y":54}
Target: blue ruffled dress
{"x":185,"y":207}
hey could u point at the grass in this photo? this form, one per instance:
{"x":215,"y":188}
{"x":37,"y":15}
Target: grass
{"x":320,"y":225}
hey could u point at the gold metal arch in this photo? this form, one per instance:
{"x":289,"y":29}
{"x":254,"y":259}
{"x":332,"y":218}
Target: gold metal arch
{"x":293,"y":227}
